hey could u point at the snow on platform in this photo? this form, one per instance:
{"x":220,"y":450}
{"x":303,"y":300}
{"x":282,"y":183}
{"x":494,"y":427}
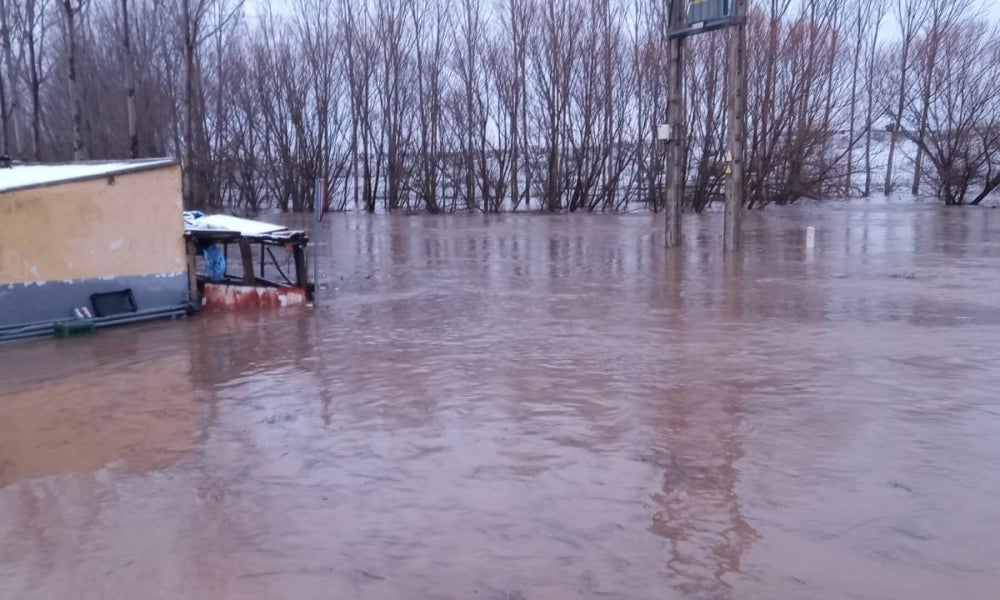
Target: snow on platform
{"x":28,"y":176}
{"x":228,"y":223}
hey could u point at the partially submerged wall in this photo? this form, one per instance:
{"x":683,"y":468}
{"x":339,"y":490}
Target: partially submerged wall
{"x":62,"y":242}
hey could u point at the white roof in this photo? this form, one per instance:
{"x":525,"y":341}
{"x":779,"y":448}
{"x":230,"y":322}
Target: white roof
{"x":228,"y":223}
{"x":26,"y":176}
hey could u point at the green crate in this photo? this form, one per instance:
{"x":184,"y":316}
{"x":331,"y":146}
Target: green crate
{"x":68,"y":329}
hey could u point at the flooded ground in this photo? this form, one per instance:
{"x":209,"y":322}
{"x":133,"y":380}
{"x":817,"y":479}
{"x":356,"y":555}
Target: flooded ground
{"x":527,"y":407}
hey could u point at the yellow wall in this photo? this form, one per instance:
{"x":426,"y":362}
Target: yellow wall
{"x":90,"y":229}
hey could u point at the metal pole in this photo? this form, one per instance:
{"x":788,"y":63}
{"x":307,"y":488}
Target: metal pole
{"x":736,"y":138}
{"x":318,"y":210}
{"x":675,"y":121}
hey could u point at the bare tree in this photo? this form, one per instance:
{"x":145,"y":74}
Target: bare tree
{"x":511,"y":65}
{"x":942,"y":14}
{"x":555,"y":49}
{"x":707,"y":121}
{"x":429,"y":27}
{"x":962,"y":135}
{"x":34,"y":29}
{"x":443,"y":105}
{"x":648,"y":62}
{"x":71,"y":11}
{"x":133,"y":136}
{"x":360,"y":50}
{"x":908,"y":14}
{"x":795,"y":111}
{"x":595,"y":115}
{"x":392,"y":90}
{"x":8,"y":79}
{"x":201,"y":20}
{"x":865,"y":19}
{"x":468,"y":64}
{"x":248,"y":137}
{"x":191,"y":20}
{"x":324,"y":150}
{"x":762,"y":116}
{"x":876,"y":9}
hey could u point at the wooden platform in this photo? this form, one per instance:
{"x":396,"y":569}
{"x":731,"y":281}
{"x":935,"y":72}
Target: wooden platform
{"x":263,"y":271}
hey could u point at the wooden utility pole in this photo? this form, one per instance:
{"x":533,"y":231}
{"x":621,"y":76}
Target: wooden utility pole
{"x":675,"y":124}
{"x":705,"y":16}
{"x":736,"y":134}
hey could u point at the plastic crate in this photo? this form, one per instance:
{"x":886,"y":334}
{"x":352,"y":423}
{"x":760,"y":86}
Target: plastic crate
{"x":77,"y":328}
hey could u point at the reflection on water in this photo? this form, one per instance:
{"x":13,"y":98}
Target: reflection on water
{"x":535,"y":407}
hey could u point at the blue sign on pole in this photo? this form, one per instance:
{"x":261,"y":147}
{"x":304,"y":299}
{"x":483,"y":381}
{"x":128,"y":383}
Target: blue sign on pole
{"x":706,"y":11}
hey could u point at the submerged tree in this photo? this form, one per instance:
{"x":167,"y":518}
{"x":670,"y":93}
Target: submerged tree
{"x":444,"y":105}
{"x":957,"y":127}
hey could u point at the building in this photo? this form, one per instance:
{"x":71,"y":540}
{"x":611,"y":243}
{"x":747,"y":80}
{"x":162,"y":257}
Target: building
{"x":68,"y":232}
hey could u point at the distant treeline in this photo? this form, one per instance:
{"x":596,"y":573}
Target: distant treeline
{"x":490,"y":105}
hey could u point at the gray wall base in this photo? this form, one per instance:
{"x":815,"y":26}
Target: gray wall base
{"x":55,"y":300}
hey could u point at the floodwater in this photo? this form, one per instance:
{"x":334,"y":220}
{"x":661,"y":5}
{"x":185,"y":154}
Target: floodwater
{"x":529,"y":407}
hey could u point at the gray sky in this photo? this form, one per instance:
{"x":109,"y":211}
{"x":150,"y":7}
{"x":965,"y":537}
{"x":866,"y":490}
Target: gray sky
{"x":993,"y":11}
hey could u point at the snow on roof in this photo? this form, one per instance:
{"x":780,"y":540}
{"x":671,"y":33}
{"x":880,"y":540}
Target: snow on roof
{"x":228,"y":223}
{"x":27,"y":176}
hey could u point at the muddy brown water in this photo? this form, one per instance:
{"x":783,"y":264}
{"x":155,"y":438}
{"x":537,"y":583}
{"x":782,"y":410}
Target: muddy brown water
{"x":527,"y":407}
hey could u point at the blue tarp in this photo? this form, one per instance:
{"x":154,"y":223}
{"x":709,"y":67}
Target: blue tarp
{"x":215,"y":262}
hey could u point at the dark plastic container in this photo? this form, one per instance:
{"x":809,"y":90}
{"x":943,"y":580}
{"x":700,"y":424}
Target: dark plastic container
{"x":113,"y":303}
{"x":68,"y":329}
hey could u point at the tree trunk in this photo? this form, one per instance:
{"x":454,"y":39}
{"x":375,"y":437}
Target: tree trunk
{"x":189,"y":75}
{"x":900,"y":103}
{"x":870,"y":108}
{"x":4,"y":125}
{"x":35,"y":85}
{"x":848,"y":185}
{"x":70,"y":12}
{"x":6,"y":80}
{"x":133,"y":137}
{"x":925,"y":101}
{"x":468,"y":74}
{"x":11,"y":131}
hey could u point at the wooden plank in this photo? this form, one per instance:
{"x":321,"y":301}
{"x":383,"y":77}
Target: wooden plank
{"x":301,"y":276}
{"x":246,"y":257}
{"x":211,"y":235}
{"x":279,"y":237}
{"x":192,"y":267}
